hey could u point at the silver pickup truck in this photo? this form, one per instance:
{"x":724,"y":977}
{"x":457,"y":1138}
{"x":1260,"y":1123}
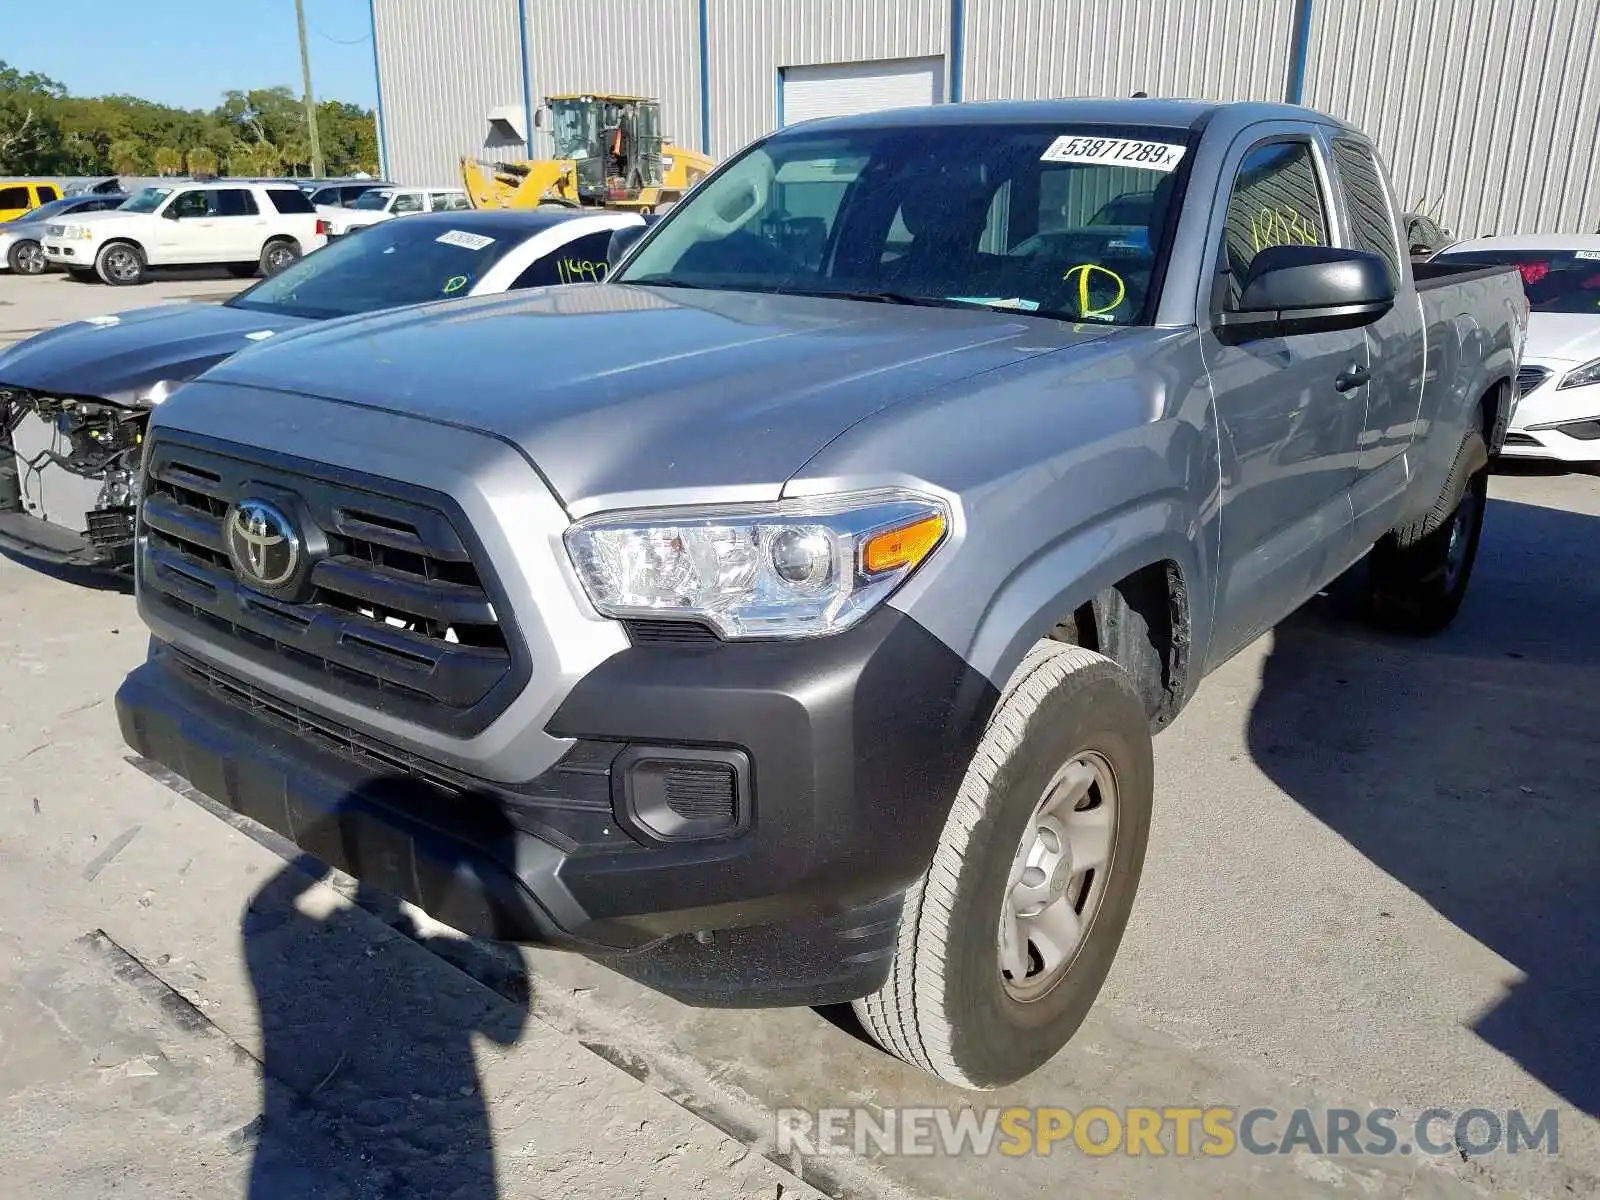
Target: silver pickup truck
{"x":786,"y":621}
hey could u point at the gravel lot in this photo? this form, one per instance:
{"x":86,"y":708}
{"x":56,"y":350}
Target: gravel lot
{"x":1372,"y":882}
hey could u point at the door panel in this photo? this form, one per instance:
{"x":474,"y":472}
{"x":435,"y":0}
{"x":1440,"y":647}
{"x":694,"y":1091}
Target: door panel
{"x":1290,"y":436}
{"x":186,"y":239}
{"x":240,"y":228}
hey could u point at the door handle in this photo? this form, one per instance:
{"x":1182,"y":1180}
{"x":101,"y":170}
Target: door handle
{"x":1352,"y":378}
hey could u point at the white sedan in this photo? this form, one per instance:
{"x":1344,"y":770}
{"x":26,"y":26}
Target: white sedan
{"x":1558,"y":408}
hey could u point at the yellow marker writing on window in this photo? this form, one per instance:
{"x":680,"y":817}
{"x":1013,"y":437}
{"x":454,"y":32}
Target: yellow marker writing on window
{"x":1084,"y":272}
{"x":454,"y":284}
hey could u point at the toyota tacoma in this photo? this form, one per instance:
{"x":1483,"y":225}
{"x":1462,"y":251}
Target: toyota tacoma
{"x":786,"y":620}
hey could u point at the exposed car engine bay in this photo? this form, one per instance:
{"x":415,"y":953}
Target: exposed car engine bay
{"x":73,"y":461}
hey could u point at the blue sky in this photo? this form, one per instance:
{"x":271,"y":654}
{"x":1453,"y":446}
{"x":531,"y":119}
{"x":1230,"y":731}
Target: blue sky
{"x":188,"y":52}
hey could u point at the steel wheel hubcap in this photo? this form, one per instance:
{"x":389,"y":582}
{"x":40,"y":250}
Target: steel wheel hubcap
{"x":121,"y":264}
{"x":1058,"y":877}
{"x":277,"y":259}
{"x":30,"y":259}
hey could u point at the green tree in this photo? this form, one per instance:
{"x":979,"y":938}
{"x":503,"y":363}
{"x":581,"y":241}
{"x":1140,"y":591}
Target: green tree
{"x":202,"y":161}
{"x":167,"y":161}
{"x":127,"y":157}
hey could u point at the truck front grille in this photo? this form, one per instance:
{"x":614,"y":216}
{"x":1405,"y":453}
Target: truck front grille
{"x":396,"y":613}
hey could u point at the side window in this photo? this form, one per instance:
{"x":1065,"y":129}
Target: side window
{"x":438,"y":201}
{"x":233,"y":202}
{"x":1369,"y":204}
{"x":582,"y":260}
{"x":290,"y":200}
{"x":455,"y":202}
{"x":14,"y":197}
{"x":189,"y":204}
{"x":48,"y":192}
{"x":406,"y":202}
{"x":1276,"y":201}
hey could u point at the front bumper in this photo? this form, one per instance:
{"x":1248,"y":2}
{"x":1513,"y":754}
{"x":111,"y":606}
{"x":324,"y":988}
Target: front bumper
{"x":42,"y":541}
{"x":1557,"y":424}
{"x":79,"y":252}
{"x":855,"y":747}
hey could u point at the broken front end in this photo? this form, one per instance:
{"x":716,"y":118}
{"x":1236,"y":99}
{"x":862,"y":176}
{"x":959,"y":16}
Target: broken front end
{"x":69,"y":477}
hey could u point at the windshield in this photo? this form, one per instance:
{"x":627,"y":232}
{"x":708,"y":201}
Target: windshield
{"x":573,"y":128}
{"x":1556,"y":281}
{"x":377,"y":198}
{"x":995,"y":216}
{"x":390,"y":264}
{"x":145,"y":200}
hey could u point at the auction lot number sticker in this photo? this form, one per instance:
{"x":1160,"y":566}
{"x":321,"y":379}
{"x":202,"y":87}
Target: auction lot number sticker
{"x":1117,"y":152}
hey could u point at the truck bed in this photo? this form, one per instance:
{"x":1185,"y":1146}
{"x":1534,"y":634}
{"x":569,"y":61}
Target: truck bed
{"x":1431,"y":275}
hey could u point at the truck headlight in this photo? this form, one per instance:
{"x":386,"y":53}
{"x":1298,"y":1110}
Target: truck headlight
{"x":1581,"y":376}
{"x":794,"y":568}
{"x":81,"y":233}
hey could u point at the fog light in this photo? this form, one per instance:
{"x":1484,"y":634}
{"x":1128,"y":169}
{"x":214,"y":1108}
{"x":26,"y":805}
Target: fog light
{"x":679,"y":794}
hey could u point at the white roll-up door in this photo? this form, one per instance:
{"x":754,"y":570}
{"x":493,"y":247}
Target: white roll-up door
{"x":841,"y":89}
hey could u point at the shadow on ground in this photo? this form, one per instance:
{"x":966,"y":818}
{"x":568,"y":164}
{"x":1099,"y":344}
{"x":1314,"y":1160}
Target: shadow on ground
{"x":371,"y":1087}
{"x":1467,"y":766}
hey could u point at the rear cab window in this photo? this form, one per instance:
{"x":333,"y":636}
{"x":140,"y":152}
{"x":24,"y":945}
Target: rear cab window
{"x":48,"y":192}
{"x":1371,"y":212}
{"x":582,"y":260}
{"x":1555,"y":281}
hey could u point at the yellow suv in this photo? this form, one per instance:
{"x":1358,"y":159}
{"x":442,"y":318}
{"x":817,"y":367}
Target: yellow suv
{"x":18,"y":197}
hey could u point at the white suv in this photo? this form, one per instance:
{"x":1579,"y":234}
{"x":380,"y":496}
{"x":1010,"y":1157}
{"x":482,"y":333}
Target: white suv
{"x":379,"y":204}
{"x":249,"y":227}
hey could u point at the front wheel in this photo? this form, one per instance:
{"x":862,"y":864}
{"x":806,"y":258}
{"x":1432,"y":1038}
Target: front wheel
{"x":1005,"y":942}
{"x":26,"y":258}
{"x":120,"y":264}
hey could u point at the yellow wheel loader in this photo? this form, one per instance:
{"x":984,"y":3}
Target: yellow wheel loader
{"x":608,"y":154}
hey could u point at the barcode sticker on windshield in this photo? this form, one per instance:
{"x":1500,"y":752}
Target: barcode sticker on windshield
{"x":1587,"y":255}
{"x":467,"y":241}
{"x":1114,"y":152}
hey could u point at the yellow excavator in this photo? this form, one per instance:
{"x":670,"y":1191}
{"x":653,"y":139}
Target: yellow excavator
{"x":609,"y":153}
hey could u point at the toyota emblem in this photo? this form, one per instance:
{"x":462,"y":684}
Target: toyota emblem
{"x":263,"y":543}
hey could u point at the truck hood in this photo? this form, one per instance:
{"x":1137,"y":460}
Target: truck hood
{"x":1564,"y":337}
{"x":120,"y":357}
{"x":616,"y":392}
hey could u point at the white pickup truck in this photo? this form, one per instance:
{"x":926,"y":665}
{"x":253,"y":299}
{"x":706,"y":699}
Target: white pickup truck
{"x":248,"y":227}
{"x":380,"y":204}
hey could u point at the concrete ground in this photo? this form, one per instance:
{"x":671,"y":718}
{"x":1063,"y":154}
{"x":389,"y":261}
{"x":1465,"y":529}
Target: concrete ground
{"x":1371,"y":882}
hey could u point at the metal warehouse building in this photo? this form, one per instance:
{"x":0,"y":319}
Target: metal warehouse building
{"x":1488,"y":110}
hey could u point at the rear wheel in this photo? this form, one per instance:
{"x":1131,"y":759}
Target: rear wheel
{"x":278,"y":254}
{"x":121,"y":264}
{"x":26,"y":258}
{"x":1418,"y":573}
{"x":1006,"y":940}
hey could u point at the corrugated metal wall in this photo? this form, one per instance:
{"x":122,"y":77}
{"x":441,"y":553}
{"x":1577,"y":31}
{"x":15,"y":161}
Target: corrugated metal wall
{"x":1217,"y":50}
{"x":637,"y":47}
{"x":1488,"y":112}
{"x":439,"y":74}
{"x":750,"y":40}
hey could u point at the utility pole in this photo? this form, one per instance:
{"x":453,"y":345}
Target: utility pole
{"x":311,"y":104}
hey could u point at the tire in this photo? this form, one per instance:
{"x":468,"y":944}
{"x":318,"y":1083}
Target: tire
{"x":26,"y":258}
{"x":1418,"y":573}
{"x":948,"y":1006}
{"x":278,"y":254}
{"x":120,"y":264}
{"x":243,"y":270}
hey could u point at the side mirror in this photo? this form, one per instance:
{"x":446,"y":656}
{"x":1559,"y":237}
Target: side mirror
{"x":622,"y":241}
{"x":1308,"y":289}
